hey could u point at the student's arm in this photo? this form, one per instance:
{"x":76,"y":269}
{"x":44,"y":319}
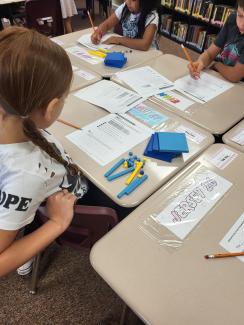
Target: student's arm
{"x":142,"y":44}
{"x":232,"y":74}
{"x":204,"y":60}
{"x":103,"y":28}
{"x":15,"y":253}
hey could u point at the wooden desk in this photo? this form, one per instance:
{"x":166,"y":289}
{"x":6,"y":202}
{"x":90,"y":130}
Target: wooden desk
{"x":134,"y":58}
{"x":227,"y":138}
{"x":172,"y":287}
{"x":216,"y":116}
{"x":81,"y":113}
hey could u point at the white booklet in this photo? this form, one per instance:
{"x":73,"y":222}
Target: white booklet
{"x":145,"y":80}
{"x":85,"y":40}
{"x":109,"y":137}
{"x":110,"y":96}
{"x":203,"y":89}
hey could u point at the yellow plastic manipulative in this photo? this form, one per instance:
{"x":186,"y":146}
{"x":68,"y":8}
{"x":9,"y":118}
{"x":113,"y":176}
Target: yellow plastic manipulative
{"x":139,"y":165}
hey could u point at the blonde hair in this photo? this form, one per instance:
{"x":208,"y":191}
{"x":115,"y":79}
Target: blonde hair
{"x":33,"y":71}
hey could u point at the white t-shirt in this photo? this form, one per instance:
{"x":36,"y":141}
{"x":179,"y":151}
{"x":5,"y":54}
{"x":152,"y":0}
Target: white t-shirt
{"x":130,"y":25}
{"x":28,"y":176}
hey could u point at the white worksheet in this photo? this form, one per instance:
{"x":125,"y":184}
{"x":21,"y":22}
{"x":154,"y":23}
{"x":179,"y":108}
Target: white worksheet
{"x":203,"y":89}
{"x":175,"y":100}
{"x":145,"y":80}
{"x":85,"y":40}
{"x":194,"y":198}
{"x":82,"y":54}
{"x":233,"y":241}
{"x":110,"y":96}
{"x":109,"y":137}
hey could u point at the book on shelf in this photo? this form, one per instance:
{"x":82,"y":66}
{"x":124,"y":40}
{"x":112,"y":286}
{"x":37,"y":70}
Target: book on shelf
{"x":202,"y":9}
{"x":166,"y":22}
{"x":210,"y":38}
{"x":167,"y":3}
{"x":196,"y":36}
{"x":184,"y":6}
{"x":221,"y":14}
{"x":179,"y":30}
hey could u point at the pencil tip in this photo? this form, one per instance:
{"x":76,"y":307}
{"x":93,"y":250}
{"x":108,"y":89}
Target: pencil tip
{"x":206,"y":256}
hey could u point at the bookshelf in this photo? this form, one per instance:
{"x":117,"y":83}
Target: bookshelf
{"x":195,"y":23}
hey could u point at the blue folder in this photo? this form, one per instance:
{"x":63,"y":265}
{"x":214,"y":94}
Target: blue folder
{"x":172,"y":142}
{"x":165,"y":156}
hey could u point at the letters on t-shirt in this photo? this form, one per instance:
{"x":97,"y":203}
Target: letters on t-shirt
{"x":9,"y":201}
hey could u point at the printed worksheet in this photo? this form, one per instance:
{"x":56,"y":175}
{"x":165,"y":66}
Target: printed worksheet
{"x":194,"y":198}
{"x":145,"y":80}
{"x":109,"y":137}
{"x":85,"y":40}
{"x":203,"y":89}
{"x":110,"y":96}
{"x":82,"y":54}
{"x":174,"y":100}
{"x":233,"y":241}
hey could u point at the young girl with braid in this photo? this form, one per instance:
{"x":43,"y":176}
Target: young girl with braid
{"x":35,"y":77}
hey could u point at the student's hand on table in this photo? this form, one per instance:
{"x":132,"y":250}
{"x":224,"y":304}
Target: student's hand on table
{"x":196,"y":70}
{"x":113,"y":40}
{"x":60,"y":208}
{"x":96,"y":37}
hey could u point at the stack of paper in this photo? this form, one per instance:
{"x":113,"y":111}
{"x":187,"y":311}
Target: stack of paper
{"x":85,"y":40}
{"x":166,"y":145}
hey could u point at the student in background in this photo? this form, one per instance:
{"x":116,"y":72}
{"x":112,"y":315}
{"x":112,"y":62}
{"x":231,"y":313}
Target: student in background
{"x":35,"y":77}
{"x":227,"y":49}
{"x":68,"y":9}
{"x":138,"y":20}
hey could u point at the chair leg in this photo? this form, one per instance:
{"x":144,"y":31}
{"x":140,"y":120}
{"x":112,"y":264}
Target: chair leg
{"x":123,"y":314}
{"x":35,"y":271}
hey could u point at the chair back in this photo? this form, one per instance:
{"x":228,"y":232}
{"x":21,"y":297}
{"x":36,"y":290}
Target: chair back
{"x":45,"y":16}
{"x":89,"y":224}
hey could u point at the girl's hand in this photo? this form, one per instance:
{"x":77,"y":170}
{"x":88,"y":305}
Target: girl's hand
{"x":60,"y":208}
{"x":112,"y":40}
{"x":96,"y":36}
{"x":196,"y":70}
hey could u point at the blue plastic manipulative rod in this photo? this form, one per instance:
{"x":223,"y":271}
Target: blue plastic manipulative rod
{"x":123,"y":172}
{"x":132,"y":186}
{"x":112,"y":169}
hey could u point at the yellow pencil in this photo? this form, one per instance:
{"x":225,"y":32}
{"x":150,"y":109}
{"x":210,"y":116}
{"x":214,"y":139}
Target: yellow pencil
{"x":68,"y":123}
{"x":188,"y":57}
{"x":219,"y":255}
{"x":91,"y":21}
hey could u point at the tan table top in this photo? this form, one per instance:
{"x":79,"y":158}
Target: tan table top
{"x":216,"y":116}
{"x":179,"y":286}
{"x":82,"y":113}
{"x":134,"y":57}
{"x":227,"y":138}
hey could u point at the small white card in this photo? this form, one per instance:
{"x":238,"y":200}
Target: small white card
{"x":233,"y":241}
{"x":85,"y":74}
{"x":191,"y":134}
{"x":239,"y":138}
{"x":175,"y":100}
{"x":196,"y":196}
{"x":223,"y":158}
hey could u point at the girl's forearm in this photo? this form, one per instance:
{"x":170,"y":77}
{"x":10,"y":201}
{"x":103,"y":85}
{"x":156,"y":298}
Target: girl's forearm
{"x":136,"y":44}
{"x":25,"y":248}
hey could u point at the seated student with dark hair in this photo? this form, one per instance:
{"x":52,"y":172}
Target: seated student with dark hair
{"x":227,"y":49}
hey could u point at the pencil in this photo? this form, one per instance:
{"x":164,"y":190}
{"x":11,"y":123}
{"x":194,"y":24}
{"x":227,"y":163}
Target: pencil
{"x":219,"y":255}
{"x":68,"y":123}
{"x":188,"y":57}
{"x":91,"y":21}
